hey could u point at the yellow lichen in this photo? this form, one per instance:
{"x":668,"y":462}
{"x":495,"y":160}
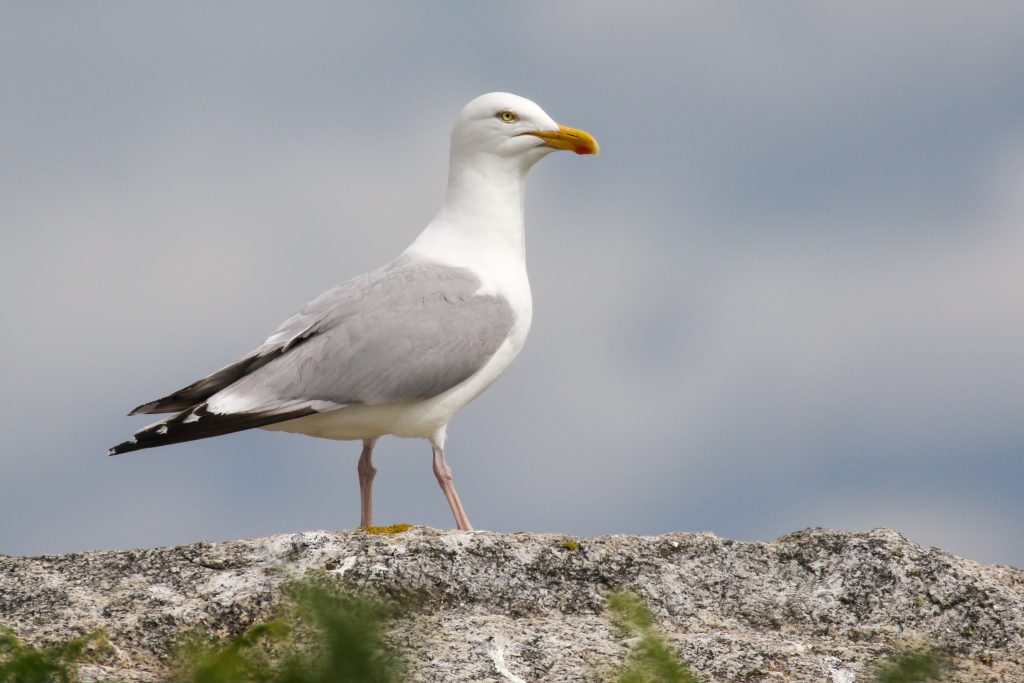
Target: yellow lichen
{"x":570,"y":544}
{"x":393,"y":529}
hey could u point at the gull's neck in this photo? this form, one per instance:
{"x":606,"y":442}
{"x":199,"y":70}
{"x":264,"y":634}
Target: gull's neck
{"x":480,"y":223}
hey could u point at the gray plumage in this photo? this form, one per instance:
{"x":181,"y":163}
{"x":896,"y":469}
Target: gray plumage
{"x":406,"y":331}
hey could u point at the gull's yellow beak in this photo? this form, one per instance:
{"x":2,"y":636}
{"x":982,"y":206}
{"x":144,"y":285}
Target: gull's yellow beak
{"x":579,"y":141}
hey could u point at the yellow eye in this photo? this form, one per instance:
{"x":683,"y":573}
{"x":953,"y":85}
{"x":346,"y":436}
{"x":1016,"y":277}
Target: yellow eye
{"x":508,"y":116}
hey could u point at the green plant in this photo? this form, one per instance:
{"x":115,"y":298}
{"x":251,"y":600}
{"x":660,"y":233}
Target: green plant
{"x":203,"y":659}
{"x":916,"y":665}
{"x":651,"y":659}
{"x":20,"y":663}
{"x":325,"y":635}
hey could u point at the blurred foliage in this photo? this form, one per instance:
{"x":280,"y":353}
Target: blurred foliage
{"x":651,"y":659}
{"x":201,"y":658}
{"x":325,"y":635}
{"x":916,"y":665}
{"x":20,"y":663}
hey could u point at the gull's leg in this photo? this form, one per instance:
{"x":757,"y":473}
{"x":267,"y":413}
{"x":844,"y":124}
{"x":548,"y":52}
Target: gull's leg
{"x":366,"y":474}
{"x":444,"y":478}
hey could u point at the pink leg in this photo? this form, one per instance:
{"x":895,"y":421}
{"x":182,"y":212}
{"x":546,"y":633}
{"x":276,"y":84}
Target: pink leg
{"x":366,"y":474}
{"x":444,"y":478}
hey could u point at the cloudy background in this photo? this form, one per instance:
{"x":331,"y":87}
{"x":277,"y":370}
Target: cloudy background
{"x":789,"y":293}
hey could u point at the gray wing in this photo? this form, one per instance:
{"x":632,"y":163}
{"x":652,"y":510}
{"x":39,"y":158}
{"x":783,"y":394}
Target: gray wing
{"x":403,"y":332}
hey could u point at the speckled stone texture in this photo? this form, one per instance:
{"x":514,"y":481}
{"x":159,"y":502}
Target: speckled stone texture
{"x":816,"y":605}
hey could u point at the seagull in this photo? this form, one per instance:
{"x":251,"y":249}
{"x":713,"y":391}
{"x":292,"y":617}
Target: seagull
{"x":401,"y":349}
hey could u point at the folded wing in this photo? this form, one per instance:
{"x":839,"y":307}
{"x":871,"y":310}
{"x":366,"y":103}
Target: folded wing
{"x":407,"y":331}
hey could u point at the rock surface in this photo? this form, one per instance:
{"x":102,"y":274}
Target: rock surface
{"x":816,"y":605}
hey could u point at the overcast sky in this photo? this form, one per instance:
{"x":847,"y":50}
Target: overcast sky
{"x":789,"y":293}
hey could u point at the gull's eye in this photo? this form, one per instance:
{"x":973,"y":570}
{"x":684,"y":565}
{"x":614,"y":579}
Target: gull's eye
{"x":508,"y":116}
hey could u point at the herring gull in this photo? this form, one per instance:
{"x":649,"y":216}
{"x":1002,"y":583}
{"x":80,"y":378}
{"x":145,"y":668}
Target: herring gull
{"x":401,"y":349}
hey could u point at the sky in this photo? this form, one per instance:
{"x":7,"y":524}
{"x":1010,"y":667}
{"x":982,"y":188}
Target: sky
{"x":789,"y":293}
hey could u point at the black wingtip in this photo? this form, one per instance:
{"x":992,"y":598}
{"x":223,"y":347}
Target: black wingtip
{"x":199,"y":423}
{"x":144,"y":409}
{"x":123,"y":447}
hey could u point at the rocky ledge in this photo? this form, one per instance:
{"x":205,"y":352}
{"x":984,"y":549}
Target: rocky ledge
{"x":815,"y":605}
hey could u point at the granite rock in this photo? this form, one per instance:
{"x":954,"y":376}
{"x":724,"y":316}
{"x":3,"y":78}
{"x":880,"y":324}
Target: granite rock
{"x":816,"y":605}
